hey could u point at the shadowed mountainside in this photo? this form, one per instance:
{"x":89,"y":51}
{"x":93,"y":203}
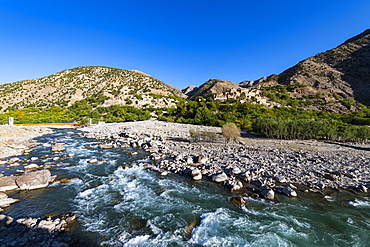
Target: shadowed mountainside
{"x":342,"y":71}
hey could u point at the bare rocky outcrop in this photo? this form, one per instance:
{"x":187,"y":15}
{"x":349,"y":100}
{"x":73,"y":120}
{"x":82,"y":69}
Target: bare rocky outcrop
{"x":342,"y":71}
{"x":58,"y":147}
{"x":8,"y":183}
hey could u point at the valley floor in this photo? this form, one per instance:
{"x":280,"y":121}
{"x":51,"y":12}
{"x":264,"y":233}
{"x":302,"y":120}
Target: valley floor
{"x":268,"y":163}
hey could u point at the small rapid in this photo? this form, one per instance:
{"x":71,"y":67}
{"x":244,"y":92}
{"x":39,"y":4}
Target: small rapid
{"x":121,"y":202}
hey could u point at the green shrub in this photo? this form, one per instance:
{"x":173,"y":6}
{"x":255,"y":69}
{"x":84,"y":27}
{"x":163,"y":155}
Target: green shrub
{"x":231,"y":132}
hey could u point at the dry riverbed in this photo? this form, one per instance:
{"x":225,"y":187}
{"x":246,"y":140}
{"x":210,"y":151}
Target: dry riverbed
{"x":15,"y":140}
{"x":262,"y":166}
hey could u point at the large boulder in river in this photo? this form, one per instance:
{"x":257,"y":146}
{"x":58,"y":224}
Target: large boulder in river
{"x":288,"y":190}
{"x":267,"y":193}
{"x":233,"y":185}
{"x":8,"y":183}
{"x":34,"y":180}
{"x":219,"y":177}
{"x":196,"y":174}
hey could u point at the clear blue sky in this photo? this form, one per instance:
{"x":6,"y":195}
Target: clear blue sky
{"x":179,"y":42}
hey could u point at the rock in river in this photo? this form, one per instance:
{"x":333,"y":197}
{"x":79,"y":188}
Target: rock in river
{"x":267,"y":193}
{"x":8,"y":183}
{"x":106,"y":146}
{"x":5,"y":201}
{"x":196,"y":174}
{"x":289,"y":191}
{"x":58,"y":147}
{"x":219,"y":177}
{"x":34,"y":180}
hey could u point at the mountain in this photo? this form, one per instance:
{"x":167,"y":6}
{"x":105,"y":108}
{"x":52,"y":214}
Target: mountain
{"x":209,"y":88}
{"x":69,"y":86}
{"x":343,"y":71}
{"x":264,"y":80}
{"x":189,"y":91}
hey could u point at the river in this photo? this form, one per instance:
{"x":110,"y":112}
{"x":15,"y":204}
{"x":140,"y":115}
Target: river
{"x":124,"y":204}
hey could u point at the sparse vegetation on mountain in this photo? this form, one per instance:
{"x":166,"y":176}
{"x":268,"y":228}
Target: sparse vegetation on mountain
{"x":67,"y":87}
{"x":342,"y":71}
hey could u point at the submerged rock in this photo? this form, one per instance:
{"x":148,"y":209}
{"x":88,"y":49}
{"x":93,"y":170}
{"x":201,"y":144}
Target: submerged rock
{"x":163,"y":174}
{"x":67,"y":180}
{"x":238,"y":201}
{"x":106,"y":146}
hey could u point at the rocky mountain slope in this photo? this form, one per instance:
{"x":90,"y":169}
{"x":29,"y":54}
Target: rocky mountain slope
{"x":69,"y":86}
{"x":324,"y":79}
{"x":342,"y":71}
{"x":209,"y":88}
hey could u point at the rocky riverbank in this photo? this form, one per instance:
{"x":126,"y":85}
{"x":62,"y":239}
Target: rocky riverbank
{"x":256,"y":166}
{"x":43,"y":231}
{"x":16,"y":140}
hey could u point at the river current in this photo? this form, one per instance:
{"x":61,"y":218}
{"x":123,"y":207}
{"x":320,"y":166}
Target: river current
{"x":124,"y":204}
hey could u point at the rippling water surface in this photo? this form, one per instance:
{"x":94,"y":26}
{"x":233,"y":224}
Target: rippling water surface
{"x":121,"y":204}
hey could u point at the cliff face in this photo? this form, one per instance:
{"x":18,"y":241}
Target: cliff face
{"x":66,"y":87}
{"x":342,"y":71}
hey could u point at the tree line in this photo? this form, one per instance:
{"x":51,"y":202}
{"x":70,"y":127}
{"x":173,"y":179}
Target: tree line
{"x":282,"y":123}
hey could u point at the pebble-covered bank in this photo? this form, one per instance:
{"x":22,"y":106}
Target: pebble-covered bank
{"x":16,"y":140}
{"x":261,"y":167}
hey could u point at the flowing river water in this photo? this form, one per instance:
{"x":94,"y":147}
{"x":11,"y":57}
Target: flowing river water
{"x":120,"y":204}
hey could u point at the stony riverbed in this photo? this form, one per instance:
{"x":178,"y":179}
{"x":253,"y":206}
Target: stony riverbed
{"x":135,"y":187}
{"x":265,"y":166}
